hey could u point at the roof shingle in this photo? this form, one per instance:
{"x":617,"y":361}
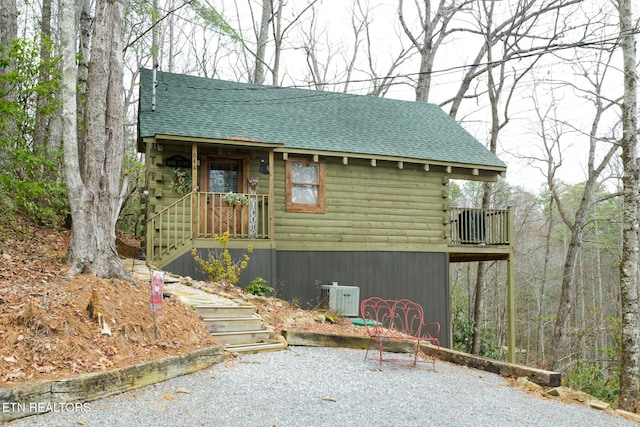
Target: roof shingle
{"x":191,"y":106}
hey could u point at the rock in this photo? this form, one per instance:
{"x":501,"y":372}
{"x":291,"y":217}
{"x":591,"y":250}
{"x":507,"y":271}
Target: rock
{"x":531,"y":386}
{"x":303,"y":320}
{"x":599,"y":404}
{"x":579,"y":396}
{"x":558,"y":391}
{"x":320,"y":317}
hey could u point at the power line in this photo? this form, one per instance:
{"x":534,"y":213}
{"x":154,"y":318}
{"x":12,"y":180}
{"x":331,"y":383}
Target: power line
{"x":540,"y":52}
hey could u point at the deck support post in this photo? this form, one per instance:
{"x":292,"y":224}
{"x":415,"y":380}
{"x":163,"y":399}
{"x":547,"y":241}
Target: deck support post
{"x":511,"y":311}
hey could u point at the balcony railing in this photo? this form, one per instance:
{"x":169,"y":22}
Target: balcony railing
{"x":480,"y":226}
{"x":214,"y":215}
{"x":203,"y":215}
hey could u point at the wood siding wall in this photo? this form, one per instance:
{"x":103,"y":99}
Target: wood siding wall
{"x":368,"y":208}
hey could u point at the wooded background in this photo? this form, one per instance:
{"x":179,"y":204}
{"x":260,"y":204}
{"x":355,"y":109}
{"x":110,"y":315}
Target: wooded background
{"x":550,"y":86}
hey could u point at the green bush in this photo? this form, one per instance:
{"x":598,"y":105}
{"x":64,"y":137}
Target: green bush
{"x":30,"y":173}
{"x":595,"y":381}
{"x":463,"y":336}
{"x":259,"y":287}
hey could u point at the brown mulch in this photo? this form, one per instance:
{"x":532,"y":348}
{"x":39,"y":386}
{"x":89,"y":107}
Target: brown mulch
{"x":45,"y":329}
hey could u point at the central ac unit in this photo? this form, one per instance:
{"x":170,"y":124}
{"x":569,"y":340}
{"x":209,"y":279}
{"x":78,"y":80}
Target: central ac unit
{"x":343,"y":300}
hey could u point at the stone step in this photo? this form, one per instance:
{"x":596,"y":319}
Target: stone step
{"x":242,"y":337}
{"x":210,"y":311}
{"x":232,"y":324}
{"x":255,"y":348}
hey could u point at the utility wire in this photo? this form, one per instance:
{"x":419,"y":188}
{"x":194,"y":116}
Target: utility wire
{"x":540,"y":52}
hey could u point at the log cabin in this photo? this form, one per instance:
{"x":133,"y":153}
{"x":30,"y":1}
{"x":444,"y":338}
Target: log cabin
{"x":341,"y":196}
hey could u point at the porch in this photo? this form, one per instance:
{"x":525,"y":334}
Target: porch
{"x":203,"y":215}
{"x":480,"y":234}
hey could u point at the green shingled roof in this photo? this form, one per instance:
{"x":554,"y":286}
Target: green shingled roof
{"x":305,"y":119}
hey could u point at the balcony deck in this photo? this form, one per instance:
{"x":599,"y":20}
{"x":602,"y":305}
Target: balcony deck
{"x":480,"y":234}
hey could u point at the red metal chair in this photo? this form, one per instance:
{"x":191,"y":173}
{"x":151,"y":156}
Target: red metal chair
{"x":397,"y":319}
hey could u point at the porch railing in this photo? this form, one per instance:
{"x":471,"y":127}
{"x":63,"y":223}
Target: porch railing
{"x":169,"y":229}
{"x":203,"y":215}
{"x":214,"y":215}
{"x":480,"y":226}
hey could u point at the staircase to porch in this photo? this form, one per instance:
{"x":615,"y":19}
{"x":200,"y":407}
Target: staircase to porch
{"x":235,"y":325}
{"x":238,"y":327}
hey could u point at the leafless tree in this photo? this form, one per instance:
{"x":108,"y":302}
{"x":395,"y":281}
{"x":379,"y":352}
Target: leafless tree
{"x":576,"y":219}
{"x":629,"y":262}
{"x":94,"y":182}
{"x":433,"y":31}
{"x":8,"y":32}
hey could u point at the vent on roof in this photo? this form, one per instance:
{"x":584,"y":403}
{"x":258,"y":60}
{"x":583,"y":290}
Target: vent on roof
{"x":343,"y":300}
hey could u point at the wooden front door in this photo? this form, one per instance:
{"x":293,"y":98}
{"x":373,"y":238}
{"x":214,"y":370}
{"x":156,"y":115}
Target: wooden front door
{"x":222,"y":175}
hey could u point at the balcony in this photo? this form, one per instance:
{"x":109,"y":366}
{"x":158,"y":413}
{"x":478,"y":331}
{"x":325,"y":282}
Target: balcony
{"x":481,"y":227}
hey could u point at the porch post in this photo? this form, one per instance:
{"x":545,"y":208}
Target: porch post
{"x":272,"y":204}
{"x":511,"y":311}
{"x":194,"y":167}
{"x":194,"y":188}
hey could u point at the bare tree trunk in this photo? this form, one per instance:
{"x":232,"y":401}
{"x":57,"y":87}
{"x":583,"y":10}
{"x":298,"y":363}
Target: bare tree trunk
{"x":561,"y":336}
{"x":8,"y":32}
{"x":40,"y":139}
{"x":86,"y":23}
{"x":95,"y":194}
{"x":433,"y":31}
{"x":545,"y":272}
{"x":263,"y":35}
{"x":478,"y":307}
{"x":629,"y":261}
{"x":278,"y":37}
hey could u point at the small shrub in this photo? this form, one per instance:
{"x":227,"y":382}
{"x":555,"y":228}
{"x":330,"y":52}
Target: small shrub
{"x":259,"y":287}
{"x":594,"y":380}
{"x":220,"y":267}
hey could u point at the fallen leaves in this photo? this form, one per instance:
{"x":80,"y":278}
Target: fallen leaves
{"x":45,"y":331}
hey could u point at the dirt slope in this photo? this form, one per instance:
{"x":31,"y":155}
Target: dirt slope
{"x":45,"y":329}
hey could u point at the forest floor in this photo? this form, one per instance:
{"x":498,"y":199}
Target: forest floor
{"x":47,"y":333}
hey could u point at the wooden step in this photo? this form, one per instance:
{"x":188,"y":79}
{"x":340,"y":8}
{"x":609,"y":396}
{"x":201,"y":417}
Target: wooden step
{"x":256,"y":347}
{"x":210,"y":311}
{"x":231,"y":324}
{"x":242,"y":337}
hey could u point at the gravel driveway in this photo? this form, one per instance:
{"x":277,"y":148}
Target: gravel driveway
{"x":316,"y":386}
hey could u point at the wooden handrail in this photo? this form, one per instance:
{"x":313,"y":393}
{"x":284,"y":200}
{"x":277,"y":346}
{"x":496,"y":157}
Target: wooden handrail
{"x":202,"y":215}
{"x":471,"y":226}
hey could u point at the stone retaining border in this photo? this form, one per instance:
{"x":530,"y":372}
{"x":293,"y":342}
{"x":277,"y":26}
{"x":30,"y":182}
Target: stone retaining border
{"x":69,"y":394}
{"x":538,"y":376}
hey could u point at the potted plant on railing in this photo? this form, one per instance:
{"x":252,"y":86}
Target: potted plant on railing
{"x":235,"y":199}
